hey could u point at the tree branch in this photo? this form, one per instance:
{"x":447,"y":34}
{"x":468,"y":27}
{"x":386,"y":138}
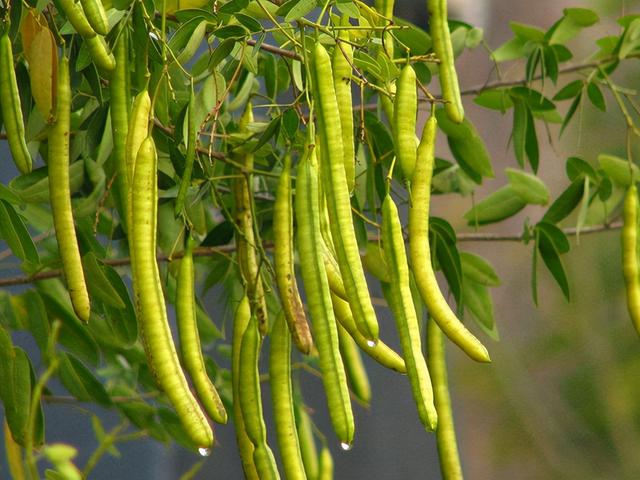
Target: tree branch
{"x":225,"y":249}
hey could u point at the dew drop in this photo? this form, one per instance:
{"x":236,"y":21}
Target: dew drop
{"x":371,"y":343}
{"x":345,"y":446}
{"x":204,"y":452}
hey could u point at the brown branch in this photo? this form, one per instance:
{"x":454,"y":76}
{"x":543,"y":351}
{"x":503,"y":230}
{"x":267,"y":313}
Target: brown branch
{"x":224,"y":249}
{"x":275,"y":50}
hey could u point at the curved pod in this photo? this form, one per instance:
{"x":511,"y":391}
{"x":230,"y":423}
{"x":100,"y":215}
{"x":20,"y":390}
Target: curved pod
{"x":12,"y":107}
{"x":403,"y":309}
{"x":319,"y":300}
{"x":630,"y":254}
{"x":190,"y":339}
{"x":420,"y":251}
{"x":60,"y":196}
{"x":154,"y":325}
{"x":337,"y":195}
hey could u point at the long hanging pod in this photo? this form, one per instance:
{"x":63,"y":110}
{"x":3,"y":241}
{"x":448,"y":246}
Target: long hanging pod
{"x":190,"y":339}
{"x":341,"y":66}
{"x":119,"y":88}
{"x":420,"y":250}
{"x":630,"y":268}
{"x":60,"y":195}
{"x":284,"y":264}
{"x":445,"y":433}
{"x":404,"y":312}
{"x":282,"y":400}
{"x":246,"y":250}
{"x":12,"y":107}
{"x":319,"y":299}
{"x":241,"y":320}
{"x":441,"y":37}
{"x":337,"y":195}
{"x":154,"y":324}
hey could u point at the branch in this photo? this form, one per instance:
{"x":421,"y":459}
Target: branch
{"x":275,"y":50}
{"x":225,"y":249}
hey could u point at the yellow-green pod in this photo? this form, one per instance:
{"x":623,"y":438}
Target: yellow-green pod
{"x":401,"y":303}
{"x":251,"y":402}
{"x":420,"y":250}
{"x":60,"y":195}
{"x":12,"y":107}
{"x":354,"y":366}
{"x":282,"y":400}
{"x":441,"y":37}
{"x":325,"y":464}
{"x":190,"y":339}
{"x":341,"y":65}
{"x":630,"y":254}
{"x":380,"y":352}
{"x":319,"y":300}
{"x":404,"y":121}
{"x":96,"y":15}
{"x":245,"y":447}
{"x":245,"y":236}
{"x":284,"y":263}
{"x":77,"y":18}
{"x":100,"y":53}
{"x":445,"y":433}
{"x":119,"y":88}
{"x":337,"y":195}
{"x":152,"y":314}
{"x":308,"y":448}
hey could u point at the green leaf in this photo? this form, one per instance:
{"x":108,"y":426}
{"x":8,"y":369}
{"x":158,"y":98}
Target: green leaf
{"x":630,"y":40}
{"x":73,"y":333}
{"x":98,"y":284}
{"x":7,"y":357}
{"x":551,"y":243}
{"x":231,"y":31}
{"x":595,"y":96}
{"x":532,"y":98}
{"x":570,"y":90}
{"x":619,"y":170}
{"x":531,"y":143}
{"x":477,"y":301}
{"x":29,"y":307}
{"x":474,"y":37}
{"x":519,"y":132}
{"x":565,"y":203}
{"x":15,"y":233}
{"x":510,"y":50}
{"x":576,"y":167}
{"x":529,"y":187}
{"x":478,"y":269}
{"x":80,"y":382}
{"x":498,"y":205}
{"x":296,"y":9}
{"x":498,"y":99}
{"x":527,"y":33}
{"x":271,"y":131}
{"x":18,"y":396}
{"x":467,"y":146}
{"x":572,"y":110}
{"x":444,"y":247}
{"x":574,"y":20}
{"x":34,"y":187}
{"x":415,"y":38}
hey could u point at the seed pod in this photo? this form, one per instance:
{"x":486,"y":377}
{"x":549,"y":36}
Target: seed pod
{"x":60,"y":195}
{"x":12,"y":107}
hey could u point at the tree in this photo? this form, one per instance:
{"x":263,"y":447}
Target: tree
{"x":165,"y":150}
